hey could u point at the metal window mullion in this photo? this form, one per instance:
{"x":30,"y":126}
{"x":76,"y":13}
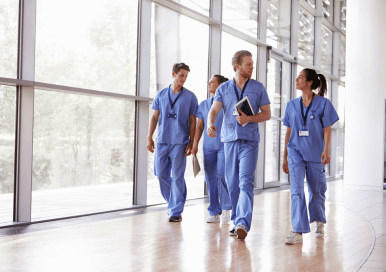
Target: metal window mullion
{"x":318,"y":36}
{"x":142,"y":107}
{"x":215,"y":39}
{"x":25,"y":113}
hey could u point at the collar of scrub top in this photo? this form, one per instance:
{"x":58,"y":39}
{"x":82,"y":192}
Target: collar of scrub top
{"x":308,"y":109}
{"x":242,"y":92}
{"x":175,"y":100}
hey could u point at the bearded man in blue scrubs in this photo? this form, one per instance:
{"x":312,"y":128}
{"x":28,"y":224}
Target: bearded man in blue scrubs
{"x":240,"y":134}
{"x":174,"y":109}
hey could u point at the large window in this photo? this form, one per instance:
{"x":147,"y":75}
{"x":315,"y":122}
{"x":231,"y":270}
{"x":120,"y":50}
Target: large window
{"x":241,"y":15}
{"x":343,"y":14}
{"x":306,"y":36}
{"x":92,"y":46}
{"x":326,"y":56}
{"x":229,"y":46}
{"x":8,"y":33}
{"x":201,"y":6}
{"x":7,"y":153}
{"x":328,"y":10}
{"x":279,"y":24}
{"x":177,"y":38}
{"x":342,"y":58}
{"x":278,"y":89}
{"x":83,"y":154}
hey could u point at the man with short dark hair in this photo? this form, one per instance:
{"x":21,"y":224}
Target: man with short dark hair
{"x":175,"y":108}
{"x":240,"y":134}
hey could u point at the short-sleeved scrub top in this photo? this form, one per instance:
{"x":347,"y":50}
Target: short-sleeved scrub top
{"x":170,"y":130}
{"x":202,"y":113}
{"x":322,"y":114}
{"x":231,"y":130}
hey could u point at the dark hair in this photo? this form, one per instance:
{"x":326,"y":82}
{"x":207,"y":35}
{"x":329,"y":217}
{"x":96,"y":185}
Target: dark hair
{"x":220,"y":78}
{"x":178,"y":66}
{"x":318,"y":81}
{"x":238,"y":56}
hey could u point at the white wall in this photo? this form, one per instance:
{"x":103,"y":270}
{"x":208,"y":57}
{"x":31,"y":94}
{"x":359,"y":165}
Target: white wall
{"x":365,"y":93}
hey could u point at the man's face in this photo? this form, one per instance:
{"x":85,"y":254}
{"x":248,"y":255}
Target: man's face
{"x":246,"y":67}
{"x":180,"y":77}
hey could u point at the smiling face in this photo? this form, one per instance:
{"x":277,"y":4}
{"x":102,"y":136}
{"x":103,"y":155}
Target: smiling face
{"x":302,"y":83}
{"x":180,"y":77}
{"x":213,"y":85}
{"x":245,"y":68}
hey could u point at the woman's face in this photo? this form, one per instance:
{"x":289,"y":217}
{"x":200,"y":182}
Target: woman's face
{"x":213,"y":85}
{"x":302,"y":83}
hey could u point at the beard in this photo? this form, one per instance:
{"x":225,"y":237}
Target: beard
{"x":245,"y":74}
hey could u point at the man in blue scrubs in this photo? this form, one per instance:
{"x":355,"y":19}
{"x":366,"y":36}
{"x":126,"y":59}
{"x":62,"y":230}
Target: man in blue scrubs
{"x":240,"y":134}
{"x":174,"y":109}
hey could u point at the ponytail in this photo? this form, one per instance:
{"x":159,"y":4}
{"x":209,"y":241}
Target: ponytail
{"x":318,"y":81}
{"x":323,"y":85}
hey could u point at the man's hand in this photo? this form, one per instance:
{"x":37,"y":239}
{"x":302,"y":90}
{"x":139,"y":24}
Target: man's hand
{"x":325,"y":157}
{"x":150,"y":144}
{"x":210,"y":131}
{"x":285,"y":166}
{"x":243,"y":118}
{"x":188,"y":149}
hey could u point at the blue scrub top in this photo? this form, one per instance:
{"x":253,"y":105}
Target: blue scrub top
{"x":202,"y":113}
{"x":322,"y":114}
{"x":231,"y":130}
{"x":174,"y":131}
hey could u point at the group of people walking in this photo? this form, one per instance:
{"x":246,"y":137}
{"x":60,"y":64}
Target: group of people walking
{"x":231,"y":142}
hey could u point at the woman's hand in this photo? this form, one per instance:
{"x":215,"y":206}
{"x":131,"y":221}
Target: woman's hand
{"x":194,"y":149}
{"x":325,"y":157}
{"x":211,"y":131}
{"x":285,"y":166}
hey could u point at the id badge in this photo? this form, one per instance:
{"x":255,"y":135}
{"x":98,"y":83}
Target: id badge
{"x":172,"y":115}
{"x":304,"y":133}
{"x":235,"y":113}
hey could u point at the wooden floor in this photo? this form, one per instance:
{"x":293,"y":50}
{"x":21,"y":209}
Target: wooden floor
{"x":355,"y":239}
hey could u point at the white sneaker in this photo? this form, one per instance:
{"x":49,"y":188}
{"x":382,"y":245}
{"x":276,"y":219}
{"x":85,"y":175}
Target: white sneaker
{"x":225,"y":216}
{"x":294,"y":238}
{"x":241,"y":232}
{"x":319,"y":232}
{"x":213,"y":219}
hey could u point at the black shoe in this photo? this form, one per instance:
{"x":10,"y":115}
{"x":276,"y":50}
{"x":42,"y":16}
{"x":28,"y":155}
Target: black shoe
{"x":232,"y":232}
{"x":175,"y":219}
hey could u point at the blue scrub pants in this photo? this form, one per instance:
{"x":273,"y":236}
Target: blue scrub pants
{"x":240,"y":163}
{"x":214,"y":164}
{"x":316,"y":182}
{"x":169,"y":158}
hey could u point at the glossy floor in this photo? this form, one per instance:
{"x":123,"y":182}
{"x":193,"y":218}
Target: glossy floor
{"x":144,"y":241}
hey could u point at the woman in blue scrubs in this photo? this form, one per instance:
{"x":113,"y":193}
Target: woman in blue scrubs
{"x":308,"y":119}
{"x":214,"y":158}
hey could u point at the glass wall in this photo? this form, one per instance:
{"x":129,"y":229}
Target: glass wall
{"x":96,"y":49}
{"x":9,"y":20}
{"x":202,"y":6}
{"x":229,"y":46}
{"x":343,"y":14}
{"x":328,"y":10}
{"x":342,"y":58}
{"x":279,"y":25}
{"x":326,"y":61}
{"x":7,"y":151}
{"x":306,"y":36}
{"x":83,"y":154}
{"x":241,"y":15}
